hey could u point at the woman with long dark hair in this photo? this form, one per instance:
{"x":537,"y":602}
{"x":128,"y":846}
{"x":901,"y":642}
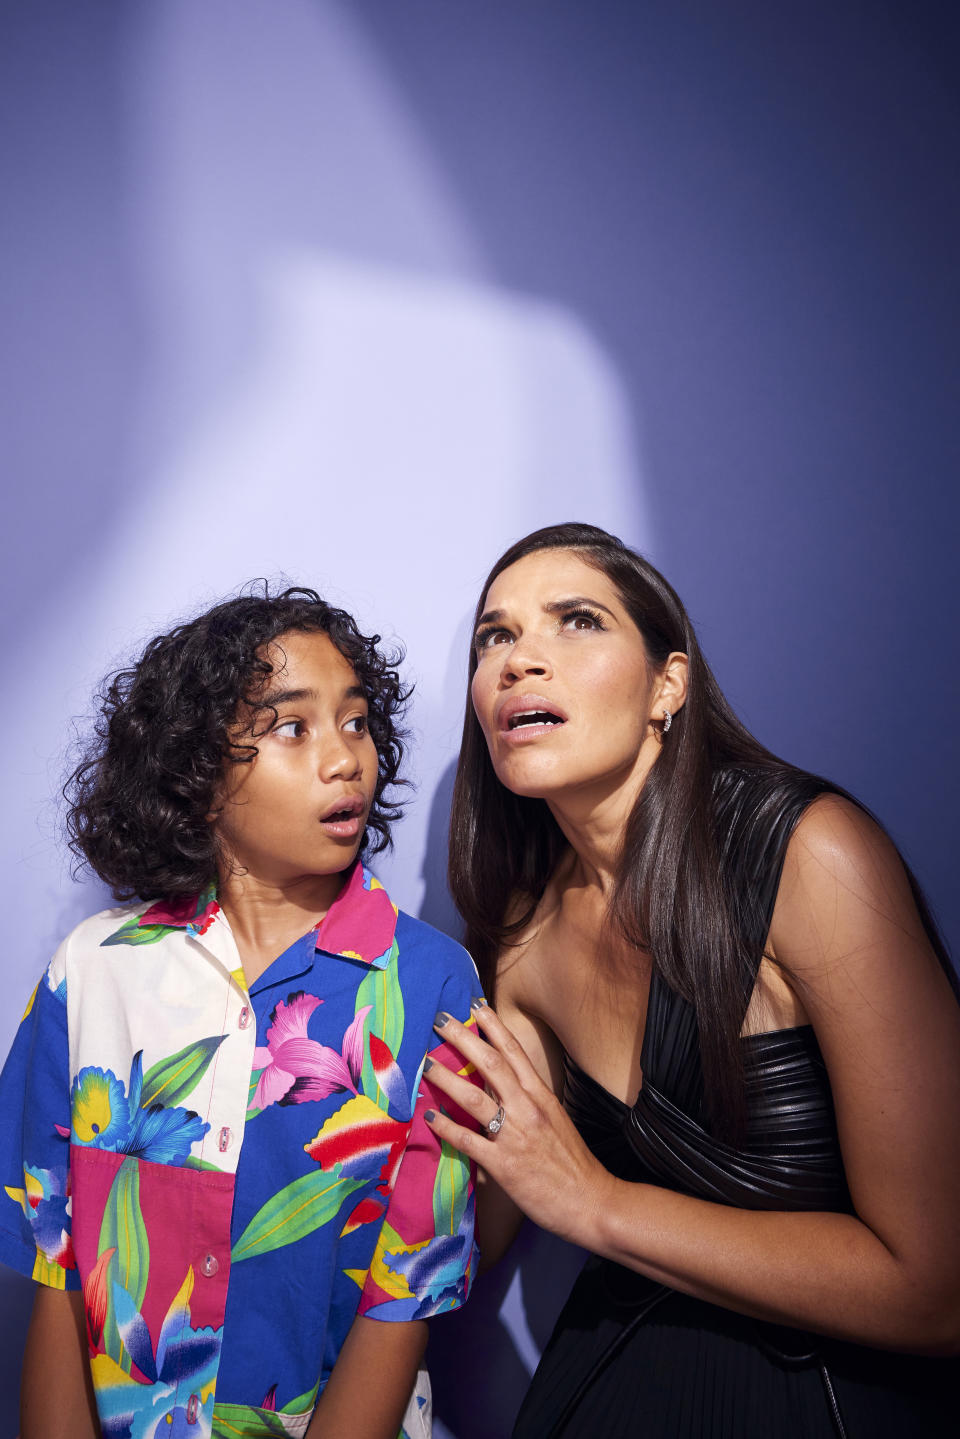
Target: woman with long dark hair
{"x":725,"y":1056}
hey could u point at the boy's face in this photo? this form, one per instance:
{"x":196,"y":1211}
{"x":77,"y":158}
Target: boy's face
{"x":300,"y":807}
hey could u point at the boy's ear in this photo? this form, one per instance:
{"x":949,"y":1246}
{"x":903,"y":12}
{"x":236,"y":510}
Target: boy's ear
{"x":218,"y":801}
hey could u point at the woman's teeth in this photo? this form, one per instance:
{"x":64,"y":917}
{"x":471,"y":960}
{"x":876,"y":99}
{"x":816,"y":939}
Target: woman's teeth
{"x":534,"y":717}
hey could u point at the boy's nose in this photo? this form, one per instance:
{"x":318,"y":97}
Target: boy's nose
{"x":338,"y":760}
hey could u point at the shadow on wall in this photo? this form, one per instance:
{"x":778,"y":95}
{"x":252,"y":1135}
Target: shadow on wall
{"x":437,"y":908}
{"x":16,"y":1298}
{"x":481,"y":1358}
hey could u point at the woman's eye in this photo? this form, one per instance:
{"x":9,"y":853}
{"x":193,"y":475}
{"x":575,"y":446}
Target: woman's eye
{"x":357,"y":725}
{"x":583,"y":620}
{"x":289,"y":729}
{"x":486,"y":639}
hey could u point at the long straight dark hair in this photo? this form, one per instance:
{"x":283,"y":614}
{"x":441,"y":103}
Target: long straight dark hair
{"x":669,"y":896}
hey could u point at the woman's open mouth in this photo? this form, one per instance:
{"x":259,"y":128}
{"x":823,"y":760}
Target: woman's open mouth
{"x":528,"y":717}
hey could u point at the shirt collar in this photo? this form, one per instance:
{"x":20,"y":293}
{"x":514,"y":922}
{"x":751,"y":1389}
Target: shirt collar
{"x":359,"y":925}
{"x":195,"y":912}
{"x":361,"y":922}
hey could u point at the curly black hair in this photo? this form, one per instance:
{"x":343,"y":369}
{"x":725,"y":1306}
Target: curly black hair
{"x":138,"y":803}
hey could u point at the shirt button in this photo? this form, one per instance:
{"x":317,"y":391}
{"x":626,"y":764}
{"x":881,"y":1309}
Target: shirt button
{"x":223,"y":1139}
{"x":193,"y":1404}
{"x":208,"y":1268}
{"x":244,"y":1017}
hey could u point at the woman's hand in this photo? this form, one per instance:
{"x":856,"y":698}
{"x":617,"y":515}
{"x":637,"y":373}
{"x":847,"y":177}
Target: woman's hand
{"x":537,"y":1157}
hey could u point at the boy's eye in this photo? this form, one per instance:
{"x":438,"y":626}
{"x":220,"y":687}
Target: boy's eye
{"x":289,"y":729}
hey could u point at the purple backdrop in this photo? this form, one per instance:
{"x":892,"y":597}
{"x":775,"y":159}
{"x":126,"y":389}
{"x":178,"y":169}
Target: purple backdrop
{"x":358,"y":292}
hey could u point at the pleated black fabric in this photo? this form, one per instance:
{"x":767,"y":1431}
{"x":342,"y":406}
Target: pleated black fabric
{"x":629,"y":1357}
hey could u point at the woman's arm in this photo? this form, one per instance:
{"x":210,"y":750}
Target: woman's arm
{"x":847,"y":935}
{"x":56,"y":1392}
{"x":372,"y":1380}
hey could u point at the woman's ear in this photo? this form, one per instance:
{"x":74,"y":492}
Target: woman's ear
{"x":670,"y":693}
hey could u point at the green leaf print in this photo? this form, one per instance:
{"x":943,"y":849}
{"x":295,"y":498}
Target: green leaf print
{"x":193,"y":1161}
{"x":303,"y":1404}
{"x":450,"y":1189}
{"x":254,"y":1081}
{"x":294,"y":1211}
{"x":381,"y":990}
{"x":243,"y":1421}
{"x":133,"y":932}
{"x":173,"y":1080}
{"x":123,"y":1230}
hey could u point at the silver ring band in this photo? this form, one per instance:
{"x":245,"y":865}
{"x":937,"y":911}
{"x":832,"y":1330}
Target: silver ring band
{"x":496,"y":1123}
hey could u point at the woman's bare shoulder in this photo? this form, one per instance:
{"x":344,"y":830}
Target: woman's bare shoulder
{"x":843,"y":885}
{"x":523,"y":952}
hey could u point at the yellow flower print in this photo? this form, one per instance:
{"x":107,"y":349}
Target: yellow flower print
{"x":99,"y":1107}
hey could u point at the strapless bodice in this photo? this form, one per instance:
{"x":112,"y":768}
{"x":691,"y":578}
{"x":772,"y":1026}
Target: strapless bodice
{"x":790,"y":1154}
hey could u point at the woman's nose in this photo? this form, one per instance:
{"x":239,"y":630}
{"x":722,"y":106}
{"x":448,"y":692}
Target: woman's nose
{"x":526,"y":657}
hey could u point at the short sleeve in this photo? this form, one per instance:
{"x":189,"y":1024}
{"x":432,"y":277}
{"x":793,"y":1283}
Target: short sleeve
{"x":35,"y":1142}
{"x":426,"y":1259}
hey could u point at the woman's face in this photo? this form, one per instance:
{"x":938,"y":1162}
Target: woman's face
{"x":563,"y":688}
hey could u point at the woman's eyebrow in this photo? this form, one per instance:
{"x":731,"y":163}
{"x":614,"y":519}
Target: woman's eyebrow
{"x":553,"y":607}
{"x":558,"y":606}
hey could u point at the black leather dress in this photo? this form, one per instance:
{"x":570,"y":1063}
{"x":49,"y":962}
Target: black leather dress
{"x":629,"y":1357}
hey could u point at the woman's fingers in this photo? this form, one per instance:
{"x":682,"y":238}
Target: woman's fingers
{"x":474,"y":1101}
{"x":535,"y":1155}
{"x":475,"y":1146}
{"x":501,"y":1063}
{"x":498,"y":1056}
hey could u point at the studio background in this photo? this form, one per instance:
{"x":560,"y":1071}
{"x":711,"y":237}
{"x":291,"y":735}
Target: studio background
{"x":356,"y":292}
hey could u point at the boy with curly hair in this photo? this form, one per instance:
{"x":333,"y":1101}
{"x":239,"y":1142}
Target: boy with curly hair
{"x":212,"y":1134}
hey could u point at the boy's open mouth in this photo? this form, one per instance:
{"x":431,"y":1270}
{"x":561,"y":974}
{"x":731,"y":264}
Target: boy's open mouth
{"x":344,"y":818}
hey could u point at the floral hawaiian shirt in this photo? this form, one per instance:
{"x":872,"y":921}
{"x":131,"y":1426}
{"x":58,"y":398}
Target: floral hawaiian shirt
{"x":231,"y":1175}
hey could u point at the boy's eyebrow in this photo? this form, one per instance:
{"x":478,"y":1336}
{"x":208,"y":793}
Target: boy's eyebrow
{"x":287,"y":697}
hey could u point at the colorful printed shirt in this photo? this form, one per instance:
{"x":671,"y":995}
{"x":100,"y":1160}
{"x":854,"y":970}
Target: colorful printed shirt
{"x":229,"y":1175}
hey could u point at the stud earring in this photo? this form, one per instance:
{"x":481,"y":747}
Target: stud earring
{"x":667,"y":720}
